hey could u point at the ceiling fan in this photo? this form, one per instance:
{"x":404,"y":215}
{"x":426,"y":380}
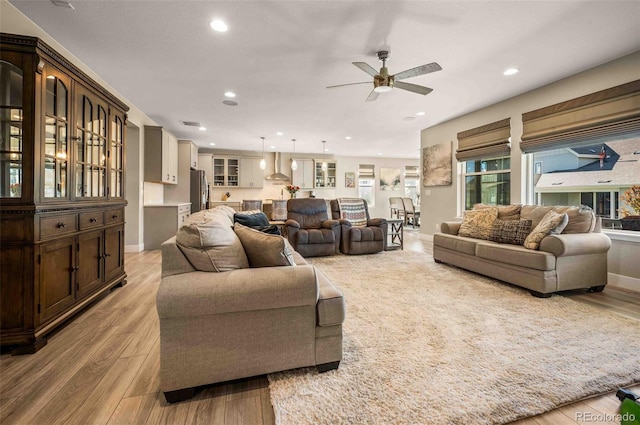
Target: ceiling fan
{"x":383,"y":82}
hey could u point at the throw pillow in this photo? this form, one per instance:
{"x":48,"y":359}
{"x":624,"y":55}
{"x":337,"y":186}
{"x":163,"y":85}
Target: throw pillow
{"x":352,"y":209}
{"x":264,"y":250}
{"x":505,"y":212}
{"x":251,"y":219}
{"x":552,"y":223}
{"x":211,"y":246}
{"x":478,"y":223}
{"x":510,"y":231}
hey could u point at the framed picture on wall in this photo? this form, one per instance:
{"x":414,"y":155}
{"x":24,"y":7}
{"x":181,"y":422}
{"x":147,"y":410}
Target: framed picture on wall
{"x":436,"y":165}
{"x":390,"y":178}
{"x":349,"y":180}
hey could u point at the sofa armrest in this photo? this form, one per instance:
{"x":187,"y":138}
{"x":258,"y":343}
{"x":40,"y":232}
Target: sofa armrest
{"x":344,"y":222}
{"x":330,"y":224}
{"x":376,"y":222}
{"x":565,"y":245}
{"x":209,"y":293}
{"x":292,"y":223}
{"x":450,"y":227}
{"x":173,"y":260}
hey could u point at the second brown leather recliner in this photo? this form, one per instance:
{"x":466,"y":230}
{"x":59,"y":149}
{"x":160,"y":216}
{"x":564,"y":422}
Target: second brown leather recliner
{"x":365,"y":239}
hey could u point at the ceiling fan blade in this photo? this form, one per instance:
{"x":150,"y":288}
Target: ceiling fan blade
{"x":412,"y":87}
{"x":372,"y":96}
{"x":349,"y":84}
{"x":366,"y":68}
{"x":418,"y":70}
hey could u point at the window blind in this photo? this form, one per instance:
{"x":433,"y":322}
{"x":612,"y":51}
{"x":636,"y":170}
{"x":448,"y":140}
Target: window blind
{"x":608,"y":114}
{"x":490,"y":140}
{"x":411,"y":172}
{"x":366,"y":170}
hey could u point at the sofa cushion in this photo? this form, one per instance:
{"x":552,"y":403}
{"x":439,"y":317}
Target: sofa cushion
{"x":516,"y":255}
{"x":510,"y":231}
{"x":456,"y":243}
{"x":212,"y":245}
{"x":366,"y":234}
{"x":315,"y":236}
{"x":553,"y":223}
{"x":478,"y":223}
{"x":505,"y":212}
{"x":264,"y":250}
{"x":534,"y":213}
{"x":582,"y":219}
{"x":353,"y":210}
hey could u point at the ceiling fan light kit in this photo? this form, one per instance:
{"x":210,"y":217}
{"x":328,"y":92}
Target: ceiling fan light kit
{"x":383,"y":82}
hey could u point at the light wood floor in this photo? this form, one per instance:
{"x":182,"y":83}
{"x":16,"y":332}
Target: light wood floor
{"x":102,"y":368}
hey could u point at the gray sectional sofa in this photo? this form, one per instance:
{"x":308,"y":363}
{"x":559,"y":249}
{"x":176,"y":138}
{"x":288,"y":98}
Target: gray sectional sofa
{"x":574,"y":259}
{"x":225,"y":314}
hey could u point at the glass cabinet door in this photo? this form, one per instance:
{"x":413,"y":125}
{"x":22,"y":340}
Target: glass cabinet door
{"x":91,"y":145}
{"x":233,"y":165}
{"x":56,"y":148}
{"x":116,"y":156}
{"x":11,"y":79}
{"x":218,"y":172}
{"x":325,"y":173}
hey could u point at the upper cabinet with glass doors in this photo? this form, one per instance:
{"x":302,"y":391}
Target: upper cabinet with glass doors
{"x":11,"y":134}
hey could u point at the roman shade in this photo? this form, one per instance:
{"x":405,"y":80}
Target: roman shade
{"x":608,"y":114}
{"x":366,"y":171}
{"x":487,"y":141}
{"x":411,"y":172}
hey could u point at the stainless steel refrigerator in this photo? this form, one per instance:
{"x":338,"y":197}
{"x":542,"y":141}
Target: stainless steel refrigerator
{"x":199,"y":191}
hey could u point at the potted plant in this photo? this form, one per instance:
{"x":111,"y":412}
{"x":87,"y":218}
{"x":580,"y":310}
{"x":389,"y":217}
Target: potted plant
{"x":630,"y":212}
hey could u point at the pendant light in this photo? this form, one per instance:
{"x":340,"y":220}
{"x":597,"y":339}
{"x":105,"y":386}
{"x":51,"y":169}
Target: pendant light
{"x":263,"y":163}
{"x":324,"y":151}
{"x":294,"y":164}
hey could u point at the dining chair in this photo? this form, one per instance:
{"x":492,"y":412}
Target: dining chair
{"x":251,"y":204}
{"x":396,"y":207}
{"x":410,"y":213}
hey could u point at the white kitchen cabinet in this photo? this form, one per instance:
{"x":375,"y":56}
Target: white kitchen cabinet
{"x":303,"y":176}
{"x":160,"y":156}
{"x":250,"y":173}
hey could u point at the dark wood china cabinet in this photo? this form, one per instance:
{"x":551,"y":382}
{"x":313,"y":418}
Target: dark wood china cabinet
{"x":62,"y":142}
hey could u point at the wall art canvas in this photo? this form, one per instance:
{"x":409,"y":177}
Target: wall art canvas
{"x":390,"y":178}
{"x":436,"y":165}
{"x":349,"y":179}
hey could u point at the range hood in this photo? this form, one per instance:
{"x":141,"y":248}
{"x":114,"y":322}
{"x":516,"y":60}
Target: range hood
{"x":277,"y":175}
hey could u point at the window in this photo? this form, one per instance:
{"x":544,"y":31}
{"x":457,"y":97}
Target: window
{"x":594,"y":175}
{"x":487,"y":181}
{"x":411,"y":178}
{"x":367,"y":183}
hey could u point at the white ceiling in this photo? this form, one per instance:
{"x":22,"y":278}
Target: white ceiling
{"x":278,"y":56}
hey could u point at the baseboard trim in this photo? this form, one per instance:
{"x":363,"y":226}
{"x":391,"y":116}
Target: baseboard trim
{"x":134,"y":248}
{"x":624,"y":282}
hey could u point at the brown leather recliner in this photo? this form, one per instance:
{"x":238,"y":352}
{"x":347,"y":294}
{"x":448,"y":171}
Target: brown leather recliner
{"x":309,"y":229}
{"x":367,"y":239}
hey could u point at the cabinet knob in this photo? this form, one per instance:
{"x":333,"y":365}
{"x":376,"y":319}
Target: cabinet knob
{"x":114,"y":216}
{"x":93,"y":220}
{"x":167,"y":176}
{"x":174,"y":178}
{"x":61,"y":225}
{"x":107,"y":255}
{"x":75,"y":269}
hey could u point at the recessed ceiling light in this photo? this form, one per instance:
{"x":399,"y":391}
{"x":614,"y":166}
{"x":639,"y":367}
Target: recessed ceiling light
{"x":279,"y":133}
{"x":420,"y":113}
{"x":230,"y":103}
{"x":379,"y":153}
{"x":409,"y":118}
{"x":212,"y":144}
{"x":272,"y":147}
{"x":60,"y":3}
{"x":218,"y":25}
{"x":348,"y":137}
{"x":511,"y":71}
{"x":201,"y":128}
{"x":230,"y":94}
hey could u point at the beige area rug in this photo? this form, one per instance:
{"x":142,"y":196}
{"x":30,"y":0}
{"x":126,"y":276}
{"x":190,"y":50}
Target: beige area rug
{"x":425,"y":343}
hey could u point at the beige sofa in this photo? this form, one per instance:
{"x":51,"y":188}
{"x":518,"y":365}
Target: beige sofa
{"x":240,"y":321}
{"x":574,"y":259}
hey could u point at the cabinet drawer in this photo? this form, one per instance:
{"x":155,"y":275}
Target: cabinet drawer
{"x":184,"y":209}
{"x":58,"y":225}
{"x":182,"y":218}
{"x":114,"y":216}
{"x":91,"y":219}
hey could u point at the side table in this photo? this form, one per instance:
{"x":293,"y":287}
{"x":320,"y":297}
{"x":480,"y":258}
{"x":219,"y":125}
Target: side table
{"x":395,"y":231}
